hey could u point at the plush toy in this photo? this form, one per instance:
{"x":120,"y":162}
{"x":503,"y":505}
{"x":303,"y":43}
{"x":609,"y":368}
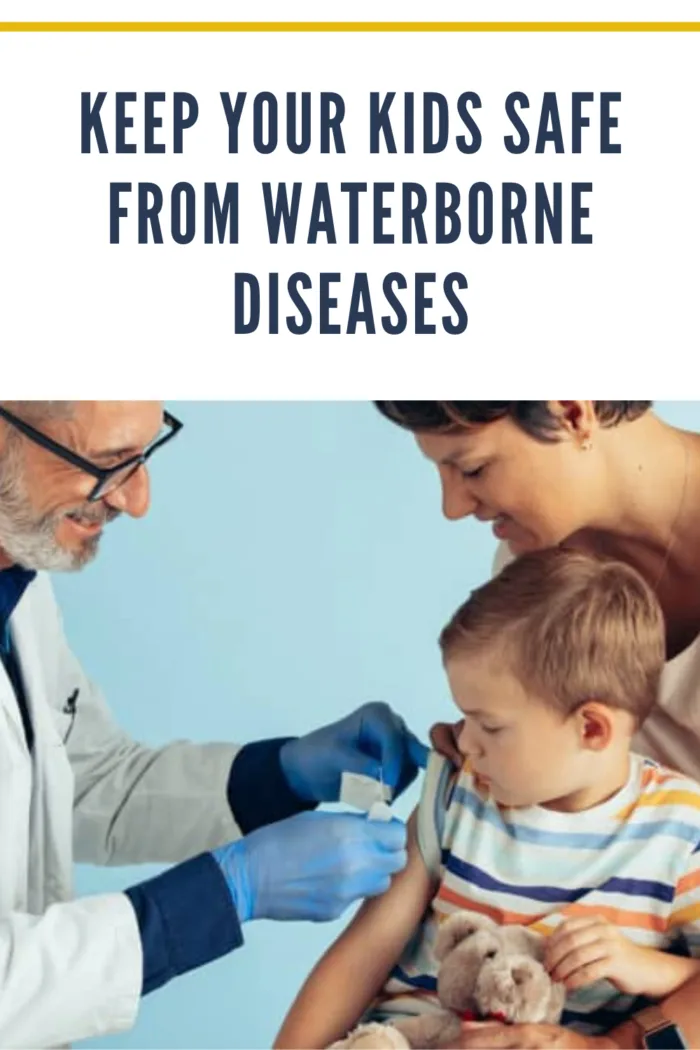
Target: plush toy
{"x":487,"y":972}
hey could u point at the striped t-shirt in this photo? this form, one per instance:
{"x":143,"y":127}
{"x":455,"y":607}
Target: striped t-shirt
{"x":634,"y":860}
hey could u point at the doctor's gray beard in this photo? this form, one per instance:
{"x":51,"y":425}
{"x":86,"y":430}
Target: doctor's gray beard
{"x":28,"y":540}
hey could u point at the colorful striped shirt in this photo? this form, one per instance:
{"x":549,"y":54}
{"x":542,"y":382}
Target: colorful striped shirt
{"x":634,"y":860}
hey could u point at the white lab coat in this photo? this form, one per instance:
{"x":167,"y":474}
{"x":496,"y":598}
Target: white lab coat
{"x":73,"y":969}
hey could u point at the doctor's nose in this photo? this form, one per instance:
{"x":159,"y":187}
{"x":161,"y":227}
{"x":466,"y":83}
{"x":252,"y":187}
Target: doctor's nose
{"x":457,"y":501}
{"x":133,"y":497}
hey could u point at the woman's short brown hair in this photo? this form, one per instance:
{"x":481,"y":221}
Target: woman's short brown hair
{"x":534,"y":417}
{"x":572,"y":628}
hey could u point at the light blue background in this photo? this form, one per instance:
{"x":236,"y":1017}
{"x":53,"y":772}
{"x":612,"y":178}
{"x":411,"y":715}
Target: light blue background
{"x":294,"y":565}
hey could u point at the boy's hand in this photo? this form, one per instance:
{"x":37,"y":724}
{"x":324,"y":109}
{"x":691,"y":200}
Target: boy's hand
{"x":581,"y":951}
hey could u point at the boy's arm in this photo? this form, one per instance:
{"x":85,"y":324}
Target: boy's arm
{"x":582,"y":951}
{"x":685,"y":921}
{"x":352,"y":971}
{"x":666,"y":973}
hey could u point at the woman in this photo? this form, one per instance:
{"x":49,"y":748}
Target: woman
{"x":600,"y":476}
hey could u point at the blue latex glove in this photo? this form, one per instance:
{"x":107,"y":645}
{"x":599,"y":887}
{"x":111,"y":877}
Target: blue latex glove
{"x":311,"y":866}
{"x":373,"y":740}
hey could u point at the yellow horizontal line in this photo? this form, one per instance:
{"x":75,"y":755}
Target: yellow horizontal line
{"x":349,"y":27}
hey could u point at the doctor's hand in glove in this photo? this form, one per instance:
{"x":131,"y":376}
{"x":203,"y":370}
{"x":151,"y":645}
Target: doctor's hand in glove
{"x":311,"y":866}
{"x":374,"y":741}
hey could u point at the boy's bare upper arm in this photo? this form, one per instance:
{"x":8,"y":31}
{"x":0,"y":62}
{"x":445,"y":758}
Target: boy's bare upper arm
{"x":385,"y":923}
{"x":353,"y":970}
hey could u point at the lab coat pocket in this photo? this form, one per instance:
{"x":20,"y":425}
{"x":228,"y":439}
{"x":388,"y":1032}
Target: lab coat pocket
{"x":64,"y":712}
{"x":63,"y":722}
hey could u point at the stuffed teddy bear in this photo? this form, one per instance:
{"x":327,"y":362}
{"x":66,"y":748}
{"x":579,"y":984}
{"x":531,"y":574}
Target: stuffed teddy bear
{"x":486,"y":972}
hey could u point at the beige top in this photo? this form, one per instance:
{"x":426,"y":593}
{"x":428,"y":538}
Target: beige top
{"x":671,"y":733}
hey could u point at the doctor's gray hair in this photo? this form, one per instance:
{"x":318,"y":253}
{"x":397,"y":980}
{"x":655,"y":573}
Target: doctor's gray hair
{"x":40,"y":411}
{"x":28,"y":539}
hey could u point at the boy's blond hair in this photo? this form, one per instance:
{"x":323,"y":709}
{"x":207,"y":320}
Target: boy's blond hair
{"x":572,"y":627}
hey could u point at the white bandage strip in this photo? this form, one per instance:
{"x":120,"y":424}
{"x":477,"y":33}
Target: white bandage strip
{"x":380,"y":811}
{"x":361,"y":791}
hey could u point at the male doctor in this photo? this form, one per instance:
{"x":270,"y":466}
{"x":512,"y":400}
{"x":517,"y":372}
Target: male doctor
{"x":73,"y":786}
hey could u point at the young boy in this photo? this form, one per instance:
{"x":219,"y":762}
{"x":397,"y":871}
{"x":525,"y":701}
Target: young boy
{"x":551,"y":823}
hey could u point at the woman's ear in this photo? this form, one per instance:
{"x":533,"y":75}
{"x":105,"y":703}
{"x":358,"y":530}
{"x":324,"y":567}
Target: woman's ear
{"x":596,"y":725}
{"x":577,"y":419}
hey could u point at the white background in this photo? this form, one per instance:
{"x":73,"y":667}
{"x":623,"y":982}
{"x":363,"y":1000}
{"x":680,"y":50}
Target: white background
{"x":157,"y":320}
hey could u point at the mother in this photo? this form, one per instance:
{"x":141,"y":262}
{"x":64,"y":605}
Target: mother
{"x":601,"y":476}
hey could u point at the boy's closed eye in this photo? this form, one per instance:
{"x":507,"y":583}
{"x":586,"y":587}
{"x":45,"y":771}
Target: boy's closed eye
{"x":473,"y":472}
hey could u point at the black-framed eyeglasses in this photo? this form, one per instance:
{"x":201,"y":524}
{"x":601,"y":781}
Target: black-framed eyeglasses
{"x":108,"y":478}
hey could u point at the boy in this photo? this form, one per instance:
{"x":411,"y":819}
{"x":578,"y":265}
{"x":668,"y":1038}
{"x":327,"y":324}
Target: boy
{"x":551,"y":823}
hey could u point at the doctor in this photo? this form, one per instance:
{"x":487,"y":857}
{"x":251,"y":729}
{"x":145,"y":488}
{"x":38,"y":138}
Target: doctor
{"x":73,"y":786}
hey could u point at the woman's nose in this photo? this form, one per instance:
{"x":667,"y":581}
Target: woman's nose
{"x":457,"y":501}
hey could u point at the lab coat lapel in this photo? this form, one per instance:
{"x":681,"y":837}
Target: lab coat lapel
{"x":10,"y":711}
{"x":15,"y":800}
{"x":50,"y":875}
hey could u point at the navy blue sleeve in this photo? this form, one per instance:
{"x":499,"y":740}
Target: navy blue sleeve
{"x":258,"y":792}
{"x":186,"y":919}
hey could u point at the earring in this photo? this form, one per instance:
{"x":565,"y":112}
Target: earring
{"x":586,"y":445}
